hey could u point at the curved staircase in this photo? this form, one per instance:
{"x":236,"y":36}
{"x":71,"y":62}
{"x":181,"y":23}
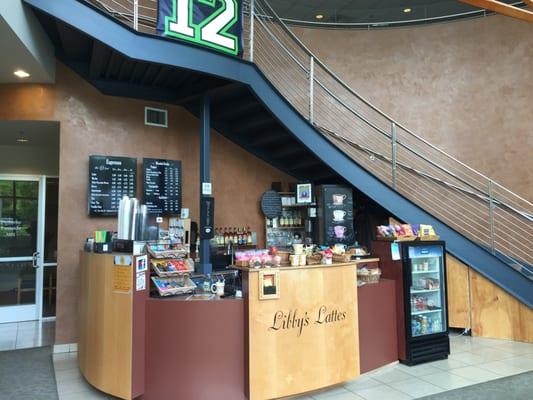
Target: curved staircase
{"x":285,"y":106}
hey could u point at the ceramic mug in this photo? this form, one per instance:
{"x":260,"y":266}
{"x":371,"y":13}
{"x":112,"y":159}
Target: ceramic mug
{"x":338,"y":199}
{"x":338,"y":215}
{"x":218,"y":288}
{"x":303,"y":260}
{"x":340,"y":231}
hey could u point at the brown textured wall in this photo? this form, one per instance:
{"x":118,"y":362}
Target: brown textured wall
{"x":91,"y":123}
{"x":465,"y":86}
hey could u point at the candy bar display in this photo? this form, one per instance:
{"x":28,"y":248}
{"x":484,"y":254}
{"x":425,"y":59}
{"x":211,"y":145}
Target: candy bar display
{"x":171,"y":267}
{"x":406,"y":232}
{"x":166,"y":249}
{"x":257,"y":259}
{"x":172,"y":286}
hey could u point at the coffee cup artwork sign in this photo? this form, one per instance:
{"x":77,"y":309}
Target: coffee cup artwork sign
{"x":313,"y":323}
{"x":216,"y":24}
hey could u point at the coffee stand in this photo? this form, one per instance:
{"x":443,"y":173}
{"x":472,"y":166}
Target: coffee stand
{"x":292,"y":327}
{"x":295,"y":330}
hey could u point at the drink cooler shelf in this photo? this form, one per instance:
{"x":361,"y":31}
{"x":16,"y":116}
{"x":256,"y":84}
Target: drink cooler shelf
{"x":425,"y":311}
{"x":426,"y":272}
{"x":424,"y":291}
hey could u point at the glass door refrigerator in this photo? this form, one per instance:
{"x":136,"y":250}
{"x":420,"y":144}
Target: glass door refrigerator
{"x":425,"y":296}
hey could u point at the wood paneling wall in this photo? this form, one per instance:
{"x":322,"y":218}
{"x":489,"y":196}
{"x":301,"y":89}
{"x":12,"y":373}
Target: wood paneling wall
{"x":476,"y":303}
{"x":458,"y":293}
{"x":498,"y":315}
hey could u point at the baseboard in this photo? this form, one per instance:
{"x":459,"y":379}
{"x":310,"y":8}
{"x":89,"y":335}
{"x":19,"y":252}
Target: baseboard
{"x":65,"y":348}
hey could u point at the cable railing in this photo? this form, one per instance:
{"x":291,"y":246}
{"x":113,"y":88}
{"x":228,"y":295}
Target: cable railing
{"x":461,"y":197}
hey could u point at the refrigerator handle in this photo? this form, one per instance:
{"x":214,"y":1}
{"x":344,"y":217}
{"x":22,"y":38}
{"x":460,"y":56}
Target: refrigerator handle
{"x":409,"y":277}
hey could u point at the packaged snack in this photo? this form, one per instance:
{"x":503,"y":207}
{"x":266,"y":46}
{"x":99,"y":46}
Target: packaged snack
{"x":426,"y":230}
{"x":407,"y":229}
{"x":398,"y":230}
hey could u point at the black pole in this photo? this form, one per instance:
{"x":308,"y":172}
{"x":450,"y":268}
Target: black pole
{"x":205,"y":266}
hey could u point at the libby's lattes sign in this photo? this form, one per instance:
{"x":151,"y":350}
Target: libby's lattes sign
{"x":298,"y":321}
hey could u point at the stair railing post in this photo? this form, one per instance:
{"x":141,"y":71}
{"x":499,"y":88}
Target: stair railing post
{"x":252,"y":25}
{"x":394,"y":154}
{"x":311,"y":89}
{"x":136,"y":15}
{"x":491,"y":216}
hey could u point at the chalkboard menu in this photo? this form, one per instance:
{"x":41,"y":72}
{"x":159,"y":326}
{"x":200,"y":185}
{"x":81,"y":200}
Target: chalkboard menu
{"x":110,"y":179}
{"x":162,"y":186}
{"x":336,"y":215}
{"x":271,"y":204}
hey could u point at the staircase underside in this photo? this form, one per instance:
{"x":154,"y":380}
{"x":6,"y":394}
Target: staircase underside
{"x":246,"y":108}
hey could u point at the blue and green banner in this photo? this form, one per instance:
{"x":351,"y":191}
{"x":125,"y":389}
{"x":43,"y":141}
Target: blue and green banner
{"x":216,"y":24}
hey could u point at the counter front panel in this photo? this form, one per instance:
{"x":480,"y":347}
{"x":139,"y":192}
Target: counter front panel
{"x":307,"y":337}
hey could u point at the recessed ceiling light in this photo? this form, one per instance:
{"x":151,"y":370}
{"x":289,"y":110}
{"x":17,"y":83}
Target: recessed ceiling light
{"x":407,"y":10}
{"x":319,"y":16}
{"x":20,"y":73}
{"x":22,"y":140}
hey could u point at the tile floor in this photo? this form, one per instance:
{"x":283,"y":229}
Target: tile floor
{"x":473,"y":360}
{"x":21,"y":335}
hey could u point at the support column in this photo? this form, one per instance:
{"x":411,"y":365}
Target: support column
{"x":205,"y":266}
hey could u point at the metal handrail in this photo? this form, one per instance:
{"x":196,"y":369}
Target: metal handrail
{"x":363,"y":99}
{"x":479,"y":208}
{"x":504,"y":209}
{"x":380,"y":130}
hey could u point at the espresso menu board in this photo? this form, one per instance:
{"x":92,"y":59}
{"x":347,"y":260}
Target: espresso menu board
{"x":337,"y":215}
{"x":162,"y":186}
{"x":110,"y":179}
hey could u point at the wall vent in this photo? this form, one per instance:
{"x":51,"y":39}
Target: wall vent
{"x":156,"y":117}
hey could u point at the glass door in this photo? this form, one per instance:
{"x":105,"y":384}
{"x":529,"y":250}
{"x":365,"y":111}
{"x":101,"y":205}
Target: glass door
{"x":427,"y":296}
{"x":21,"y":241}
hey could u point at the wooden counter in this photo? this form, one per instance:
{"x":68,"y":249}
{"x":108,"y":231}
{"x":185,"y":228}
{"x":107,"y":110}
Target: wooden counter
{"x":111,"y":325}
{"x":304,"y":337}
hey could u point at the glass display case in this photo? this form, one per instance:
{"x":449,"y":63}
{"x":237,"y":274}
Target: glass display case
{"x":426,"y":315}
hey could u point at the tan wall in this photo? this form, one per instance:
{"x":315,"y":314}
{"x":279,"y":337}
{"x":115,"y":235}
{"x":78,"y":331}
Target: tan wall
{"x":465,"y":86}
{"x":91,"y":123}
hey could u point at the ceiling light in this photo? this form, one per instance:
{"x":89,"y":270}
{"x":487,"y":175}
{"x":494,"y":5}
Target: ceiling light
{"x":319,"y":16}
{"x":20,"y":73}
{"x":407,"y":10}
{"x":22,"y":140}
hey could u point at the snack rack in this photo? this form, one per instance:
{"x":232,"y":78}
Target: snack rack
{"x":172,"y":266}
{"x":165,"y":249}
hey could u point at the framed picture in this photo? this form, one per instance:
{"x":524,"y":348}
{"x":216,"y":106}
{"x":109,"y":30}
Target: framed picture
{"x":304,"y":193}
{"x":269,"y":285}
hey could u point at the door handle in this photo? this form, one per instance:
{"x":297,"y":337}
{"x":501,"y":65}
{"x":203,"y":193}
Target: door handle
{"x":34,"y":260}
